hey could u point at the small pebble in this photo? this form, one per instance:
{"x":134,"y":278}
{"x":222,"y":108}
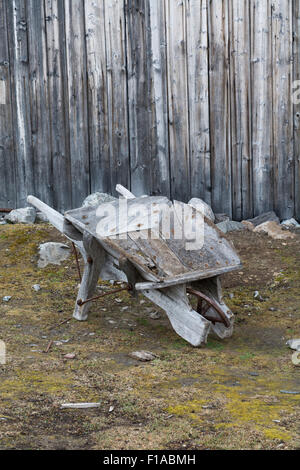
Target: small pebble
{"x":36,"y":287}
{"x":155,"y":316}
{"x":7,"y":298}
{"x":70,"y":356}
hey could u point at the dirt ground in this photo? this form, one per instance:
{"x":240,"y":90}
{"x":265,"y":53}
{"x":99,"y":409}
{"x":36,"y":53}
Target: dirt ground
{"x":226,"y":395}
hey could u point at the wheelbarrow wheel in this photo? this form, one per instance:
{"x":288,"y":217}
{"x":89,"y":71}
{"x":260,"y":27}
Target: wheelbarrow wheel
{"x":205,"y":304}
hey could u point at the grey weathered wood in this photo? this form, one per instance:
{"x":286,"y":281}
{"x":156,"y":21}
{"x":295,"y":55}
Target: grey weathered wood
{"x":178,"y":99}
{"x":186,"y":322}
{"x":296,"y":110}
{"x":282,"y":42}
{"x":93,"y":265}
{"x":97,"y":96}
{"x":220,"y":120}
{"x":17,"y":27}
{"x":138,"y":96}
{"x":240,"y":61}
{"x":117,"y":92}
{"x":58,"y":108}
{"x":7,"y":156}
{"x":189,"y":97}
{"x":39,"y":100}
{"x":77,"y":99}
{"x":160,"y":158}
{"x":198,"y":79}
{"x":261,"y":90}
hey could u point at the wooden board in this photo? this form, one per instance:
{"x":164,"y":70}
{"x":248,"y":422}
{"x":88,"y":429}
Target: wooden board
{"x":220,"y":131}
{"x":296,"y":110}
{"x":7,"y":157}
{"x":58,"y":111}
{"x":77,"y":99}
{"x":262,"y":112}
{"x":198,"y":79}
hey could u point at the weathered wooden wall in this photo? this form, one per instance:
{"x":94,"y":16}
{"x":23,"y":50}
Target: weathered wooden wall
{"x":189,"y":98}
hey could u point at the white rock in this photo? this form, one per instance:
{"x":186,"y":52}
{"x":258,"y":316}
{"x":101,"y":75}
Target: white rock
{"x":7,"y":298}
{"x":143,"y":356}
{"x":294,"y":344}
{"x":202,"y":207}
{"x":53,"y":253}
{"x":36,"y":287}
{"x":96,"y":199}
{"x":27,"y":215}
{"x":290,"y":223}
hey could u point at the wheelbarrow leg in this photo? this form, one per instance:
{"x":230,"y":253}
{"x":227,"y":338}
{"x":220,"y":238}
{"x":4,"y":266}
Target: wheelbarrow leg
{"x":94,"y":259}
{"x":186,"y":322}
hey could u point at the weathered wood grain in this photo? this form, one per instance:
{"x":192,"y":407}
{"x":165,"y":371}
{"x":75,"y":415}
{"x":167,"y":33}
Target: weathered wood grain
{"x":282,"y":66}
{"x":157,"y":45}
{"x":187,"y":98}
{"x":58,"y":108}
{"x":178,"y":99}
{"x":117,"y":92}
{"x":262,"y":109}
{"x":296,"y":106}
{"x":7,"y":154}
{"x":77,"y":99}
{"x":239,"y":33}
{"x":19,"y":59}
{"x":138,"y":96}
{"x":220,"y":122}
{"x":199,"y":128}
{"x":97,"y":96}
{"x":39,"y":100}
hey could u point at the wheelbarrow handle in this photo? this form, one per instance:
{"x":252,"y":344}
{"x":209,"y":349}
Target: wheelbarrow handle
{"x":54,"y":217}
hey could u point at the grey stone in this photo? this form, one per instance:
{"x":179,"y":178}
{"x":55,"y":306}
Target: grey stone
{"x":290,"y":223}
{"x":53,"y":253}
{"x":266,"y":217}
{"x":294,"y":344}
{"x":231,"y":226}
{"x":155,"y":315}
{"x":221,"y":218}
{"x":96,"y":199}
{"x":27,"y":215}
{"x":41,"y":218}
{"x":202,"y":207}
{"x":143,"y":356}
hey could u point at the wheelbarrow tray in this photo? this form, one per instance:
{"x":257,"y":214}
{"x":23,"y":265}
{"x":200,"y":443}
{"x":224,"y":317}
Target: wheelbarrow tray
{"x":161,"y":261}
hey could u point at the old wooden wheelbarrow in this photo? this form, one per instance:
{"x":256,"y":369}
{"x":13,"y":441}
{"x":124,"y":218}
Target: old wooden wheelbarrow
{"x":160,"y":267}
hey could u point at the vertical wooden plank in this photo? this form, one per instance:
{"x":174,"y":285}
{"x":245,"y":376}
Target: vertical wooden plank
{"x":282,"y":67}
{"x":97,"y":96}
{"x":178,"y":99}
{"x":117,"y":92}
{"x":17,"y":33}
{"x":241,"y":109}
{"x":39,"y":102}
{"x":220,"y":107}
{"x":296,"y":77}
{"x":160,"y":174}
{"x":7,"y":157}
{"x":197,"y":34}
{"x":77,"y":100}
{"x":58,"y":95}
{"x":138,"y":96}
{"x":261,"y":83}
